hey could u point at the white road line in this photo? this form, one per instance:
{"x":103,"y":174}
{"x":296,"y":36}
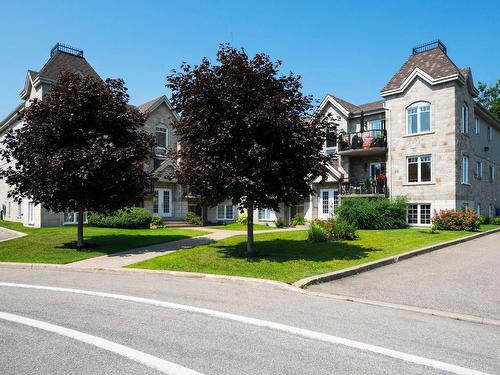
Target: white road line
{"x":267,"y":324}
{"x":148,"y":360}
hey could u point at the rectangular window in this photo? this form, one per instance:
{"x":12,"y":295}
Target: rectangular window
{"x":31,"y":213}
{"x":419,"y":168}
{"x":490,"y":133}
{"x":376,"y":127}
{"x":479,"y":170}
{"x":419,"y":214}
{"x":71,"y":217}
{"x":478,"y":209}
{"x":377,"y":169}
{"x":225,"y":212}
{"x":465,"y":169}
{"x":492,"y":172}
{"x":166,"y":201}
{"x":8,"y":209}
{"x":413,"y":214}
{"x":465,"y":119}
{"x":155,"y":202}
{"x":478,"y":126}
{"x":266,"y":214}
{"x":325,"y":199}
{"x":425,"y":118}
{"x":161,"y":137}
{"x":331,"y":138}
{"x":19,"y":210}
{"x":412,"y":120}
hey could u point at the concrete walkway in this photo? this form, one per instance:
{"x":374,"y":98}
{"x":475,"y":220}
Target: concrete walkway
{"x":125,"y":258}
{"x":9,"y":234}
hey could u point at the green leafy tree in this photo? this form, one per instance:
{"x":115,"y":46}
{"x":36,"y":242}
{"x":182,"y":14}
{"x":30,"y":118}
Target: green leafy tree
{"x":246,"y":133}
{"x":79,"y":150}
{"x":489,"y":97}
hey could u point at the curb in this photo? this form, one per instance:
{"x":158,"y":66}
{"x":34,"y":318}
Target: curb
{"x":330,"y":276}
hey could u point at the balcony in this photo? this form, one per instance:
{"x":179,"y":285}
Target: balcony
{"x":370,"y":187}
{"x":368,"y":142}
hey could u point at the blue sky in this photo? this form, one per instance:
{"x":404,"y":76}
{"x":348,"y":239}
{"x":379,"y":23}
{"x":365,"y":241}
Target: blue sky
{"x":346,"y":48}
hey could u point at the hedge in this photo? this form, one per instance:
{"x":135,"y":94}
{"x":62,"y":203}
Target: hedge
{"x":131,"y":218}
{"x":373,"y":212}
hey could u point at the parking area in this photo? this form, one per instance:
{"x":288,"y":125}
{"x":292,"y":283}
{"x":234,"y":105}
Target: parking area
{"x":464,"y":279}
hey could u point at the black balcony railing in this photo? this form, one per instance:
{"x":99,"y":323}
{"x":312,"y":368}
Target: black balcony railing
{"x":363,"y":140}
{"x":376,"y":186}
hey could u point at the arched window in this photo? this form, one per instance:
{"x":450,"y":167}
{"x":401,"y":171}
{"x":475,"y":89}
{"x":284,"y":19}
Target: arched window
{"x":418,"y":118}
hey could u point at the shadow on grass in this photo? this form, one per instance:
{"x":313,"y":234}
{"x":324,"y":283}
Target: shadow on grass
{"x":282,"y":250}
{"x":114,"y":244}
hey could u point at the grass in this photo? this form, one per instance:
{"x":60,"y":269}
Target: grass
{"x":236,"y":226}
{"x":288,"y":256}
{"x":44,"y":245}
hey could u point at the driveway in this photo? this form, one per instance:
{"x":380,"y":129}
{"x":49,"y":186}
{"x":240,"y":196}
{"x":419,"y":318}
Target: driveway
{"x":463,"y":279}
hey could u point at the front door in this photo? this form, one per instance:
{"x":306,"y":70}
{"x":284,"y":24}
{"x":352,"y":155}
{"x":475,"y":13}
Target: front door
{"x":327,"y":203}
{"x":162,"y":202}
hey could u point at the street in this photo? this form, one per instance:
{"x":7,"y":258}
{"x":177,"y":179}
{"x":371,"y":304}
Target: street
{"x":173,"y":331}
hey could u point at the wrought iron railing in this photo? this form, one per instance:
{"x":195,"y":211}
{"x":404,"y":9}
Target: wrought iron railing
{"x":66,"y":49}
{"x":368,"y":187}
{"x":363,"y":140}
{"x":428,"y":46}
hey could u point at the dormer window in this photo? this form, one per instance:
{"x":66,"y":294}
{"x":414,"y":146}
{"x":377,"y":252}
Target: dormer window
{"x":418,"y":117}
{"x":161,"y":137}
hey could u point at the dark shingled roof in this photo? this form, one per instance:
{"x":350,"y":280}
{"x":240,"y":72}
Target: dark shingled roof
{"x":433,"y":62}
{"x":356,"y":109}
{"x":61,"y":61}
{"x":146,"y":106}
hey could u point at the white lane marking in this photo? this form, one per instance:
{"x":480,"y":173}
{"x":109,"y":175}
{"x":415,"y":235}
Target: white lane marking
{"x":267,"y":324}
{"x":148,"y":360}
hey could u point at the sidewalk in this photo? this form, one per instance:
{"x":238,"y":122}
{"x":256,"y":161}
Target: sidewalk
{"x":125,"y":258}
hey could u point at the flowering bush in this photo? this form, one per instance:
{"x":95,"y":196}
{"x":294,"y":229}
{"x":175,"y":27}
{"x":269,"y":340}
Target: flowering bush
{"x":331,"y":229}
{"x":456,"y":220}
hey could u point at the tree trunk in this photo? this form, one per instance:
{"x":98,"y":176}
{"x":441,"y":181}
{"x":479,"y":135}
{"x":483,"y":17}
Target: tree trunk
{"x":79,"y":241}
{"x":250,"y":245}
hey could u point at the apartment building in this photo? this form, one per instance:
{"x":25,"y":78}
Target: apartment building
{"x":164,"y":198}
{"x":426,"y":139}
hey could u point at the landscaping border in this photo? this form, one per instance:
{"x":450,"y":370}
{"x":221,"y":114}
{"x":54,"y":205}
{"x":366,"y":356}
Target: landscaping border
{"x":330,"y":276}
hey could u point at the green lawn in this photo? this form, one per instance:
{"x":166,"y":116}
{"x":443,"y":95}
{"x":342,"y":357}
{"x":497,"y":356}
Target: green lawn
{"x":288,"y":257}
{"x":44,"y":245}
{"x":236,"y":226}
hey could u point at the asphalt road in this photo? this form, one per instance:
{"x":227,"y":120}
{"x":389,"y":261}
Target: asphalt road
{"x":463,"y":279}
{"x":209,"y":342}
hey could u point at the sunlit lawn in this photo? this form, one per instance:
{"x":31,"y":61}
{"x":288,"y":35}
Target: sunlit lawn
{"x":44,"y":245}
{"x":236,"y":227}
{"x":287,"y":256}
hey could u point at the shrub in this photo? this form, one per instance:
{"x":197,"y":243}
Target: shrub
{"x":193,"y":219}
{"x":343,"y":230}
{"x":242,"y":219}
{"x":316,"y":233}
{"x":279,"y":223}
{"x":456,"y":220}
{"x":373,"y":213}
{"x":483,"y":219}
{"x":495,"y":220}
{"x":157,"y":222}
{"x":298,"y":220}
{"x":134,"y":217}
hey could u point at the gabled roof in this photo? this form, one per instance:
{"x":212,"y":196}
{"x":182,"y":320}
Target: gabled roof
{"x":62,"y":61}
{"x":349,"y":109}
{"x":151,"y":105}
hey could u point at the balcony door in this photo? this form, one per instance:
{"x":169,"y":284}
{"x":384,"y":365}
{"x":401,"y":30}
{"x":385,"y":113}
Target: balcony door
{"x":327,"y":203}
{"x":162,"y":202}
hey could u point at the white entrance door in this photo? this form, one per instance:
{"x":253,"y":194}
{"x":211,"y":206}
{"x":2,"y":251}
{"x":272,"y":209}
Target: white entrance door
{"x":326,"y":206}
{"x":162,"y":202}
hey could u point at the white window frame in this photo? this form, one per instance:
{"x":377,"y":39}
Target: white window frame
{"x":479,"y":170}
{"x":490,"y":134}
{"x":478,"y":126}
{"x":31,"y":213}
{"x":465,"y":118}
{"x":159,"y":206}
{"x":492,"y":172}
{"x":20,"y":212}
{"x":226,"y":211}
{"x":74,"y":218}
{"x":160,"y":150}
{"x":8,"y":209}
{"x":419,"y":213}
{"x":419,"y":170}
{"x":478,"y":209}
{"x":418,"y":106}
{"x":465,"y":170}
{"x":268,"y":214}
{"x":329,"y":150}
